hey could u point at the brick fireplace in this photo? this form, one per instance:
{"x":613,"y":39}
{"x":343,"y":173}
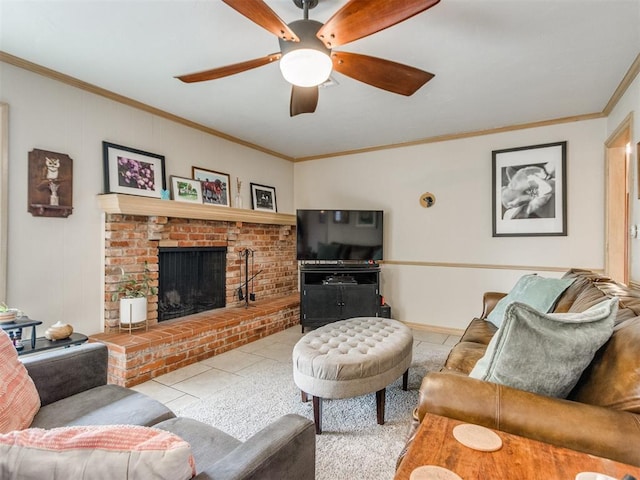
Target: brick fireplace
{"x":134,"y":240}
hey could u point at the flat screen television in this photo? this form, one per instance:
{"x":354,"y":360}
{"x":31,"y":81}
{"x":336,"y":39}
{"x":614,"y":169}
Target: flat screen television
{"x":339,"y":235}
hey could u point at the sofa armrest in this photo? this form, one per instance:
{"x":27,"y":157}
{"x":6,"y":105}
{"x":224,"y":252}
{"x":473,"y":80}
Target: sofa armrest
{"x":59,"y":374}
{"x":489,"y":301}
{"x":600,"y":431}
{"x":284,"y":449}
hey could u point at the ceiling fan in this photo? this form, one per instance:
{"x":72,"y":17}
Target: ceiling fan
{"x":306,"y":55}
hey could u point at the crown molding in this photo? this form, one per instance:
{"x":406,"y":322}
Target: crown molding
{"x":631,"y":74}
{"x":88,"y":87}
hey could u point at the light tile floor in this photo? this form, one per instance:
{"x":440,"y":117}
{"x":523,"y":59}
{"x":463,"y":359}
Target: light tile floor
{"x":201,"y":379}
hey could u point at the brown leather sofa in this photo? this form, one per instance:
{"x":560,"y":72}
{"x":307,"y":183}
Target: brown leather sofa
{"x":601,"y":416}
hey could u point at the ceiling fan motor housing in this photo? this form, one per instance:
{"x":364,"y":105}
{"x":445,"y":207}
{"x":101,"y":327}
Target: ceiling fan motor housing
{"x":306,"y":31}
{"x":308,"y":58}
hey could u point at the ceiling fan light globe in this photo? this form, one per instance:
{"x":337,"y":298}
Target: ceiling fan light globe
{"x":306,"y":67}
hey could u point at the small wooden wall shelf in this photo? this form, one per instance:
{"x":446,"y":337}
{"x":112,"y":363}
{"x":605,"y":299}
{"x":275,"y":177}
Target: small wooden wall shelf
{"x":42,"y":210}
{"x":145,"y":206}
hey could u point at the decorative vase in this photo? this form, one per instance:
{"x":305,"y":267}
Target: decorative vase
{"x":58,"y":331}
{"x":133,"y":310}
{"x":238,"y":198}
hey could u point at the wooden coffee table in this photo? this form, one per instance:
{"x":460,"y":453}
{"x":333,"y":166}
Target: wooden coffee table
{"x":519,"y":457}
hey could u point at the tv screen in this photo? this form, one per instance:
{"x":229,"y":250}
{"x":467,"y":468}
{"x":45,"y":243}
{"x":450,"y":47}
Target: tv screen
{"x":340,"y":235}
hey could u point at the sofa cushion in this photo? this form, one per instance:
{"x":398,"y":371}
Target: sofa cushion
{"x":125,"y":452}
{"x":545,"y":353}
{"x":19,"y":399}
{"x":539,"y":292}
{"x":611,"y":380}
{"x":600,"y":288}
{"x":104,"y":405}
{"x":209,"y":445}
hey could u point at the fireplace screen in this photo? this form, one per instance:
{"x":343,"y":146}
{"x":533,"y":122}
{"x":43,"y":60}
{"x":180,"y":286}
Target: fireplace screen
{"x":191,"y":280}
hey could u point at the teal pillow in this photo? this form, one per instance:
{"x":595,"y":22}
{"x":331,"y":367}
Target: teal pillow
{"x":539,"y":292}
{"x":545,"y":353}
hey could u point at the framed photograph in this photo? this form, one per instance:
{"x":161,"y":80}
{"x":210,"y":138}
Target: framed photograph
{"x":366,"y":219}
{"x":530,"y":191}
{"x":263,"y":198}
{"x":132,"y":171}
{"x":215,"y":186}
{"x":186,"y":189}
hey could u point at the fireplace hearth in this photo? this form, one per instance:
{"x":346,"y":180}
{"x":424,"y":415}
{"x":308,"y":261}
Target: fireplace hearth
{"x":190,"y":280}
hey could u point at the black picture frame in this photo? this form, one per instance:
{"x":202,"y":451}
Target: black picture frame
{"x":529,"y":191}
{"x":263,"y":198}
{"x":132,"y":171}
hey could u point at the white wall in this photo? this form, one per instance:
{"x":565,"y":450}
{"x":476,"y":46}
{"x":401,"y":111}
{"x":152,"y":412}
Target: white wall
{"x":54,"y":264}
{"x":630,"y":102}
{"x":458,"y":229}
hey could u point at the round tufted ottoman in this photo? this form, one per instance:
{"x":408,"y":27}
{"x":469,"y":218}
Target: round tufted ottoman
{"x":350,"y":358}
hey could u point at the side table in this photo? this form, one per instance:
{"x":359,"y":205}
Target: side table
{"x":519,"y":457}
{"x":25,"y":322}
{"x":40,"y":344}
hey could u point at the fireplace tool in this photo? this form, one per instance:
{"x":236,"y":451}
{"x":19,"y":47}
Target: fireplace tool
{"x":246,"y":296}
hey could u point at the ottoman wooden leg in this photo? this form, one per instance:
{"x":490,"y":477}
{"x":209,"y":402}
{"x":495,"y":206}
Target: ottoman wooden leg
{"x":304,"y":396}
{"x":380,"y":398}
{"x":317,"y":414}
{"x":405,"y":380}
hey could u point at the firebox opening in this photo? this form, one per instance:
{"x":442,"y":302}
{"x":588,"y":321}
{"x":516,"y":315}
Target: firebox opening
{"x":190,"y":280}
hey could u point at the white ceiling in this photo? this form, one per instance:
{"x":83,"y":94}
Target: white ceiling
{"x":497,"y":63}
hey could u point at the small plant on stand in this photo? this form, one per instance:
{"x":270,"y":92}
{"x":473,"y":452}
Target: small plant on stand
{"x":133,"y":299}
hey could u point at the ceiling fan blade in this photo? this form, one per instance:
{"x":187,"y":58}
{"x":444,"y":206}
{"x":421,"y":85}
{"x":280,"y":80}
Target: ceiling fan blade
{"x":303,"y":100}
{"x":220,"y":72}
{"x":259,"y":12}
{"x":359,"y":18}
{"x":385,"y":74}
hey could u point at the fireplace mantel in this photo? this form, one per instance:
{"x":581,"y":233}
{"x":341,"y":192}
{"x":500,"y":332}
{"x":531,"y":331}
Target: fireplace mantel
{"x":145,"y":206}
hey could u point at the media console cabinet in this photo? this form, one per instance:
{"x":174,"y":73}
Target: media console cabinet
{"x":332,"y":292}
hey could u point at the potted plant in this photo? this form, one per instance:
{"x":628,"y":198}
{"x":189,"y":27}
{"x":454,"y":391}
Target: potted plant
{"x":133,"y":297}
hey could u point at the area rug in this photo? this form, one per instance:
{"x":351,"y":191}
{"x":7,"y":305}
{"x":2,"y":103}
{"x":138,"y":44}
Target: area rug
{"x":352,"y":444}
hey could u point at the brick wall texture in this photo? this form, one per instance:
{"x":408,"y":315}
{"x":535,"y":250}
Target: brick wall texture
{"x":132,"y":242}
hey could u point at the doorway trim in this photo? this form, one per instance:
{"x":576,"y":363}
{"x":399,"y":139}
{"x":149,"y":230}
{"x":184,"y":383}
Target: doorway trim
{"x":4,"y":197}
{"x":617,"y":198}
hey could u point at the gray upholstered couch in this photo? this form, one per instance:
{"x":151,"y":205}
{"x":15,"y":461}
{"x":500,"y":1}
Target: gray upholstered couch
{"x":73,"y":389}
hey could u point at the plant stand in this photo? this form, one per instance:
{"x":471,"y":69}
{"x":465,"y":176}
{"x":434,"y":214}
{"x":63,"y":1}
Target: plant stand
{"x":133,"y":314}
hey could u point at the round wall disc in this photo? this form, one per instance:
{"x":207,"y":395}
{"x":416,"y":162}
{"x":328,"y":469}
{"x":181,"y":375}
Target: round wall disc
{"x":427,"y":199}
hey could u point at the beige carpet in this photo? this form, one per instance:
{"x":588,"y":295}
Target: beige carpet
{"x":352,"y":445}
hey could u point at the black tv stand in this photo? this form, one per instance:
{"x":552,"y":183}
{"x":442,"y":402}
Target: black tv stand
{"x":339,"y":280}
{"x":332,"y":292}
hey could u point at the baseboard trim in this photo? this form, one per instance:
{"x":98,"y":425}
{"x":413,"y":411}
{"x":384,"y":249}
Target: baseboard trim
{"x":434,"y":328}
